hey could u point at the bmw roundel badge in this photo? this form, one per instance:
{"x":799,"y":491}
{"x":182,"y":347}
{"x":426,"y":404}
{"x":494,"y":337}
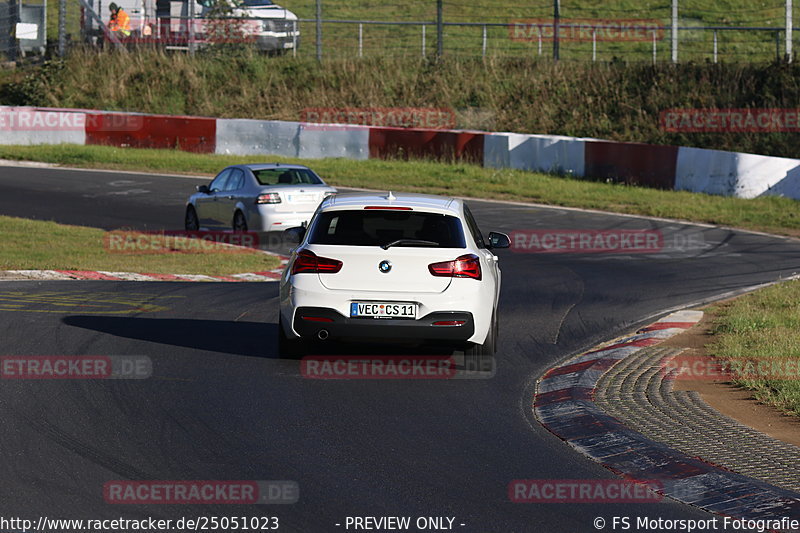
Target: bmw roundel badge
{"x":385,"y":266}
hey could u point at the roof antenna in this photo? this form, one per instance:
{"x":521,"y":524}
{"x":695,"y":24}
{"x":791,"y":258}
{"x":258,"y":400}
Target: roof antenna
{"x":391,"y":196}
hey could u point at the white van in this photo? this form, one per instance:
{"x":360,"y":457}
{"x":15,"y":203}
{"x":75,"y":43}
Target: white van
{"x":269,"y":26}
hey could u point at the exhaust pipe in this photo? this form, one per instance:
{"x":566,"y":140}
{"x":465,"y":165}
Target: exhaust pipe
{"x":322,"y":334}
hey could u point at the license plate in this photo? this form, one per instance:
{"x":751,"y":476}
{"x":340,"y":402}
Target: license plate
{"x":383,"y":310}
{"x":300,"y":198}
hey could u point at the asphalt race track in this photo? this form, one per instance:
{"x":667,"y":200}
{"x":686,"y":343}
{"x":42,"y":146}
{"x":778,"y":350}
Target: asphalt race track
{"x":221,"y":406}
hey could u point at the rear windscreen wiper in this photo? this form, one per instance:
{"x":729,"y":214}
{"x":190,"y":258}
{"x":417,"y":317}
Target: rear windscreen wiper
{"x":409,"y":241}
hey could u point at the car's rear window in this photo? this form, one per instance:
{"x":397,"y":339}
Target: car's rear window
{"x":286,"y":176}
{"x":380,"y":227}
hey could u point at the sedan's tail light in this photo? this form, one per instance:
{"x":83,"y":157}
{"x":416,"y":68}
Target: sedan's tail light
{"x":309,"y":262}
{"x":466,"y":266}
{"x":269,"y":198}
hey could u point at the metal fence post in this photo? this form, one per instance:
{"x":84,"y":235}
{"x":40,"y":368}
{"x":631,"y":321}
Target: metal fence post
{"x":294,"y":38}
{"x":540,"y":43}
{"x":674,"y":31}
{"x":483,"y":48}
{"x":439,"y":29}
{"x":360,"y":40}
{"x":789,"y":32}
{"x":319,"y":30}
{"x":594,"y":45}
{"x":715,"y":46}
{"x":423,"y":40}
{"x":556,"y":29}
{"x":191,"y":28}
{"x":13,"y":18}
{"x":62,"y":27}
{"x":655,"y":48}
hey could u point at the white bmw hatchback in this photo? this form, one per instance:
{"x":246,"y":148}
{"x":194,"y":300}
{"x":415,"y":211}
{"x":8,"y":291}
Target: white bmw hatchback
{"x":386,"y":267}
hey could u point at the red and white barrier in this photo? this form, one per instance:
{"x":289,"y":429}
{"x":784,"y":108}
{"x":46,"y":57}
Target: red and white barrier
{"x":28,"y":125}
{"x":736,"y":174}
{"x":291,"y":139}
{"x":318,"y":141}
{"x":256,"y":137}
{"x":538,"y":153}
{"x":666,"y":167}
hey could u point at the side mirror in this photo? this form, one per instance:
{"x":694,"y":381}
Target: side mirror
{"x":294,"y":235}
{"x":498,"y":240}
{"x":203,"y":189}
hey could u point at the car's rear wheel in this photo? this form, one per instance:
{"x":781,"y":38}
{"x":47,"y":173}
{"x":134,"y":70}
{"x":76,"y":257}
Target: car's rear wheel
{"x":239,"y":222}
{"x":475,"y":355}
{"x":190,"y":222}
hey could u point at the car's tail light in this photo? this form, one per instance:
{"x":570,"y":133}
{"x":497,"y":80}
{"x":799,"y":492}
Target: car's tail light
{"x":317,"y":318}
{"x":466,"y":266}
{"x":449,"y":322}
{"x":308,"y":262}
{"x":269,"y":198}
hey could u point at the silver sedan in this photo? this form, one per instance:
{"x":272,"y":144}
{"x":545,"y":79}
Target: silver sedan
{"x":262,"y":197}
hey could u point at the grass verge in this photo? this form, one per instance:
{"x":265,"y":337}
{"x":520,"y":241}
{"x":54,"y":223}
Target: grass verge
{"x":770,"y":214}
{"x":32,"y":244}
{"x":761,"y":332}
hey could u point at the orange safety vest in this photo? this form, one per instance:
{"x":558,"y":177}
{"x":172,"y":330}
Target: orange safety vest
{"x":120,"y":22}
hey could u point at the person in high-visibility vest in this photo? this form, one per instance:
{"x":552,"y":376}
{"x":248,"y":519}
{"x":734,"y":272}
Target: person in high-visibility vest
{"x":120,"y":21}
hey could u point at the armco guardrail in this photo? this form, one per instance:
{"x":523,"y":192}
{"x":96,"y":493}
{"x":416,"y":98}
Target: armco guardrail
{"x":666,"y":167}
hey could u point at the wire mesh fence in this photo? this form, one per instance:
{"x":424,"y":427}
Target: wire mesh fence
{"x":572,"y":30}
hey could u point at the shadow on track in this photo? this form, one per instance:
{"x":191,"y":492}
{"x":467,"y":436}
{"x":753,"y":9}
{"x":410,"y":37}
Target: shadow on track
{"x":253,"y":339}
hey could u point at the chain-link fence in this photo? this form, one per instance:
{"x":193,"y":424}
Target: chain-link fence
{"x":573,"y":30}
{"x":648,"y":30}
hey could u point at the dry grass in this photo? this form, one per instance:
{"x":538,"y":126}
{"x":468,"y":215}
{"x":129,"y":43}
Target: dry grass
{"x":764,"y":327}
{"x":610,"y":100}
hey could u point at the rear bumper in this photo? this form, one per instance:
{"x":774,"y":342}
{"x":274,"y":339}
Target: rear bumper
{"x":265,"y":218}
{"x":339,"y":326}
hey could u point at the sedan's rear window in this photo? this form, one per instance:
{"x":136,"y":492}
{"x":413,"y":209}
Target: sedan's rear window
{"x":286,"y":176}
{"x":381,"y":227}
